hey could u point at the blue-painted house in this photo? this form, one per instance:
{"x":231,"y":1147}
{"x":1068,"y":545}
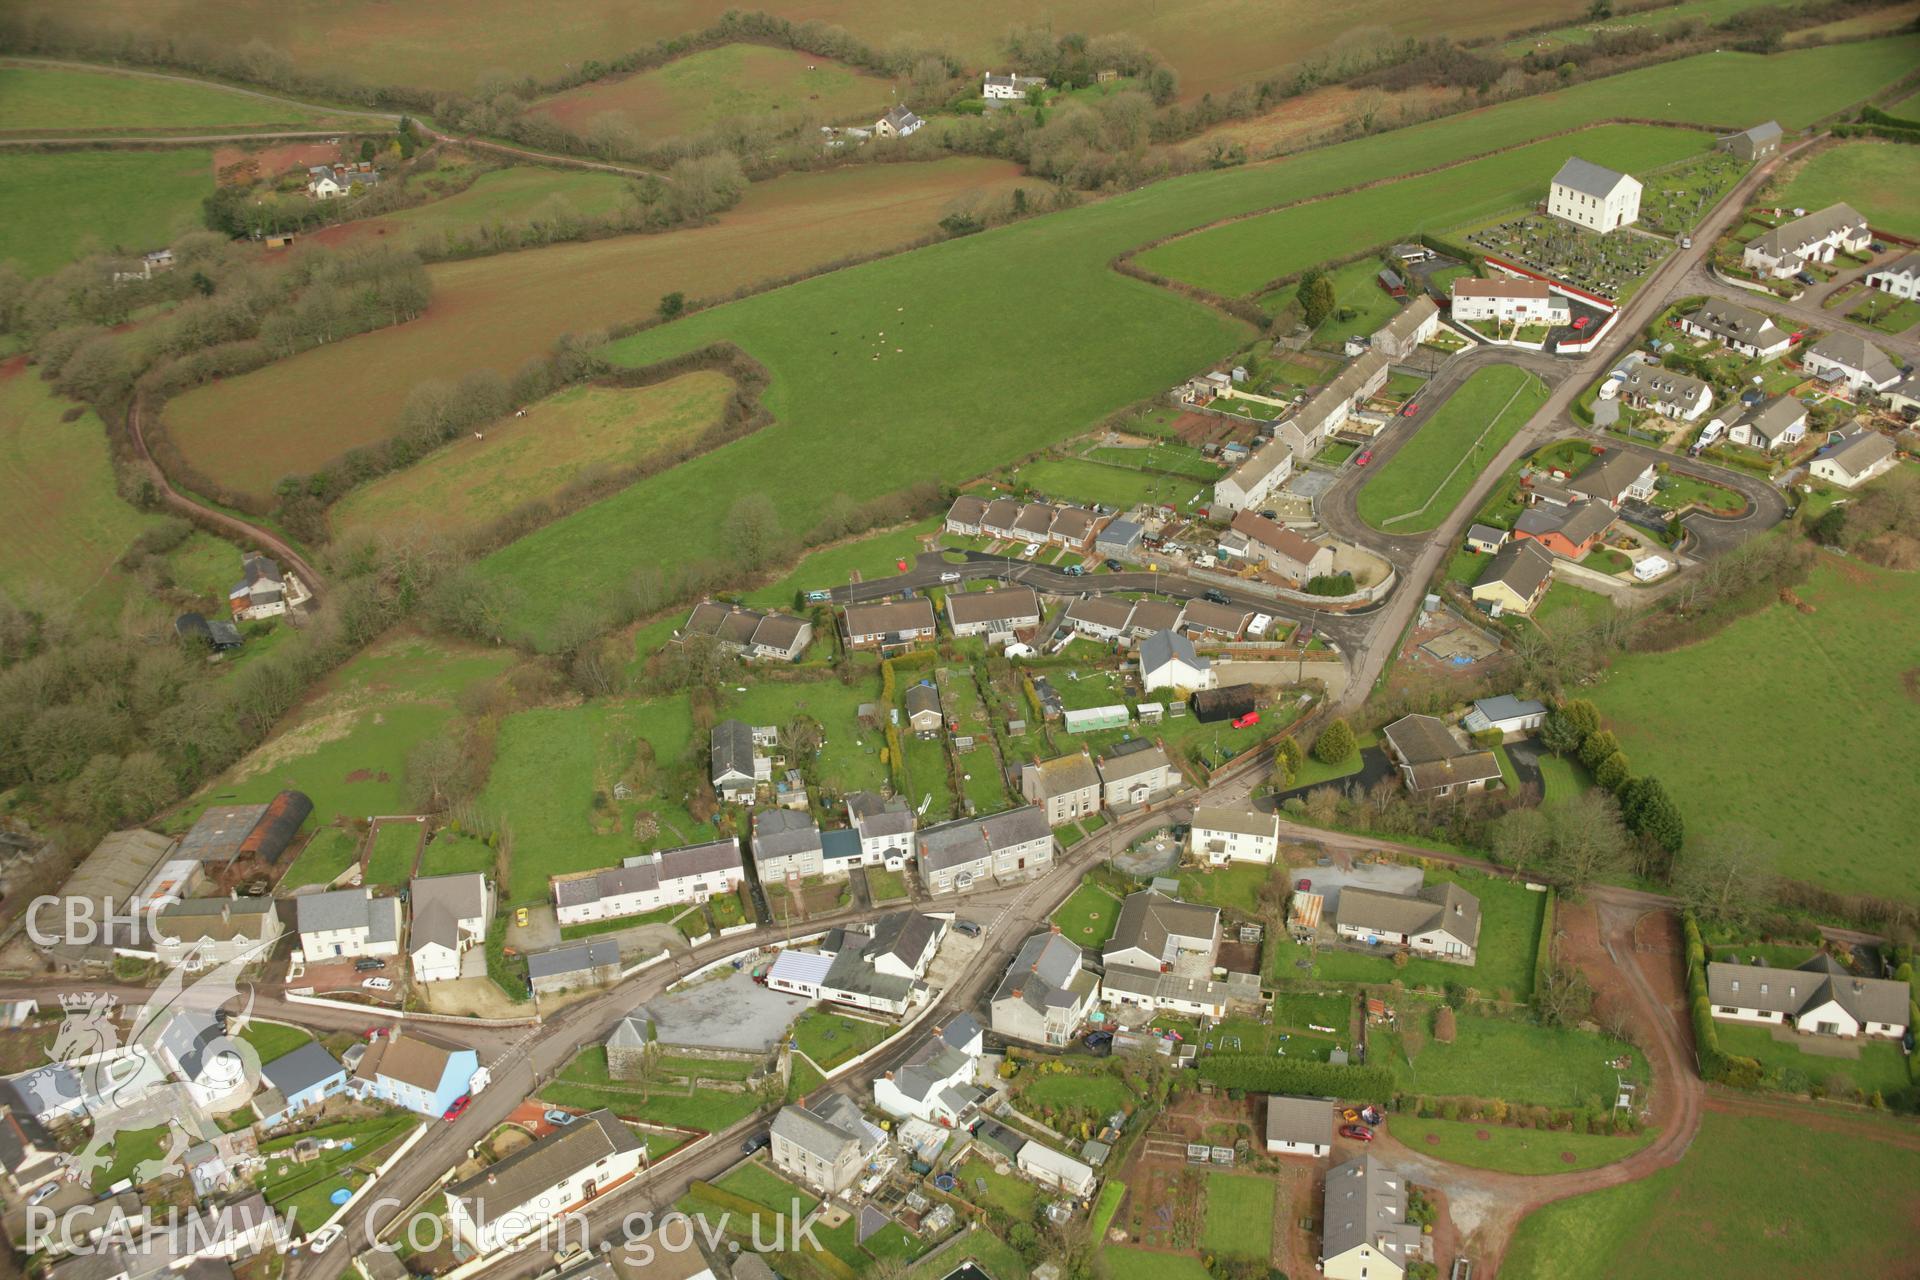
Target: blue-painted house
{"x":295,"y":1081}
{"x":415,"y":1071}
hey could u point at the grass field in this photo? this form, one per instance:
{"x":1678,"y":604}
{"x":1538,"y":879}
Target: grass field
{"x":872,"y":556}
{"x":451,"y":853}
{"x":327,"y":856}
{"x":1518,"y":1061}
{"x":499,"y":197}
{"x":835,"y":379}
{"x":470,"y":481}
{"x":1239,"y":1215}
{"x":1085,"y":481}
{"x":1124,"y":1263}
{"x":1661,"y":19}
{"x":66,"y":524}
{"x":728,"y":82}
{"x":1738,"y":1205}
{"x":274,"y":1039}
{"x":347,"y":747}
{"x":1881,"y":1066}
{"x":1506,"y":1149}
{"x":1428,"y":475}
{"x":1237,"y":259}
{"x":47,"y":101}
{"x":1713,"y":739}
{"x":390,"y":860}
{"x":54,"y":207}
{"x":1880,"y":179}
{"x":1088,"y":918}
{"x":497,"y":312}
{"x":1235,"y":886}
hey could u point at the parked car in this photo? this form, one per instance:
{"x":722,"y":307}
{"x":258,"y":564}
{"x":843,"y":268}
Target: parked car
{"x":1031,"y":550}
{"x":378,"y":984}
{"x":558,"y":1117}
{"x":1075,"y":570}
{"x":367,"y":964}
{"x":1363,"y":459}
{"x":1217,"y":596}
{"x":1303,"y":885}
{"x":1098,"y":1040}
{"x":324,"y":1237}
{"x":569,"y":1255}
{"x":1247,"y":721}
{"x":1412,"y":407}
{"x":1358,"y":1132}
{"x":1581,"y":322}
{"x":967,"y":927}
{"x":458,"y":1107}
{"x":758,"y":1142}
{"x":42,"y":1193}
{"x":949,"y":577}
{"x":1113,"y":566}
{"x":520,"y":916}
{"x":1804,"y":277}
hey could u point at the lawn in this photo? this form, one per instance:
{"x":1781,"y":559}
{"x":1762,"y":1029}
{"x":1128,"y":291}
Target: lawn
{"x":56,"y":206}
{"x":471,"y":481}
{"x":347,"y":746}
{"x":1510,"y":1150}
{"x":884,"y":885}
{"x":1240,"y":257}
{"x":1567,"y":607}
{"x":729,"y":82}
{"x":66,"y":524}
{"x":274,"y":1039}
{"x":1562,"y":778}
{"x":303,"y":1191}
{"x":876,"y":555}
{"x":1235,"y":887}
{"x":1313,"y":771}
{"x":708,"y":1109}
{"x":1124,"y":1263}
{"x":497,"y":312}
{"x":1087,"y":919}
{"x":451,"y":853}
{"x":833,"y":1038}
{"x":1881,"y":1066}
{"x":1737,"y":1204}
{"x":42,"y":101}
{"x":1428,"y":475}
{"x":1713,"y":740}
{"x":325,"y":859}
{"x":849,"y":755}
{"x":1239,"y":1215}
{"x":390,"y":860}
{"x":131,"y":1148}
{"x":1096,"y":1090}
{"x":761,"y":1185}
{"x":941,"y":309}
{"x":1361,"y":306}
{"x":1505,"y":1058}
{"x":1084,"y":481}
{"x":1015,"y":1196}
{"x":1880,"y":179}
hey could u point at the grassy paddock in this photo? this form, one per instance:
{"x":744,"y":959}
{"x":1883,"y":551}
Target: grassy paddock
{"x":1422,"y":482}
{"x":731,"y":81}
{"x":40,"y":100}
{"x":1506,"y":1149}
{"x":1514,"y":1060}
{"x":57,"y":206}
{"x":1880,"y":179}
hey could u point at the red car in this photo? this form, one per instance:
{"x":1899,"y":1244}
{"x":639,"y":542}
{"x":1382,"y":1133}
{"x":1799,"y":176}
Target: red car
{"x":1358,"y":1132}
{"x":1363,"y":459}
{"x":1408,"y":412}
{"x":1304,"y":886}
{"x":459,"y":1107}
{"x":1247,"y":721}
{"x":1581,"y":322}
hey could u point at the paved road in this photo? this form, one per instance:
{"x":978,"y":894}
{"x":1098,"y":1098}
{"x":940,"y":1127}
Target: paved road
{"x":1808,"y":312}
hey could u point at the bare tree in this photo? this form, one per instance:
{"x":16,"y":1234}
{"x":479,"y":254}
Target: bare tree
{"x":1722,"y":877}
{"x":1589,"y":841}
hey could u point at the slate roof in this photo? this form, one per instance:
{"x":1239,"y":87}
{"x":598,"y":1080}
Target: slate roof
{"x":1522,"y":565}
{"x":783,"y":833}
{"x":1295,"y":1119}
{"x":731,"y":747}
{"x":218,"y":919}
{"x":1793,"y":991}
{"x":579,"y":958}
{"x":1407,"y":321}
{"x":505,"y":1185}
{"x":347,"y":909}
{"x":305,"y":1067}
{"x":967,"y":608}
{"x":1148,"y":920}
{"x":1419,"y":739}
{"x":440,"y":903}
{"x":1588,"y":178}
{"x":1608,"y":475}
{"x":1121,"y":765}
{"x":1789,"y":238}
{"x":1771,"y":419}
{"x":1855,"y":352}
{"x":1442,"y":905}
{"x":1164,"y":648}
{"x":1366,"y":1204}
{"x":1859,"y":451}
{"x":1738,"y":321}
{"x":828,"y":1130}
{"x":1064,"y":774}
{"x":1048,"y":972}
{"x":1507,"y":707}
{"x":878,"y":816}
{"x":1222,"y":817}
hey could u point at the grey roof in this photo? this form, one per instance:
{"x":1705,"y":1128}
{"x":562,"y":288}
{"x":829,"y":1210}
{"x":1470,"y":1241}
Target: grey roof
{"x":783,"y":833}
{"x":1047,"y":973}
{"x":921,"y":698}
{"x":1486,"y":533}
{"x":1407,"y":321}
{"x":300,"y":1070}
{"x":1859,"y":451}
{"x":440,"y":903}
{"x":1164,"y":648}
{"x":1443,"y":905}
{"x":901,"y":119}
{"x":1121,"y":765}
{"x":878,"y":816}
{"x":1366,"y":1204}
{"x":348,"y":909}
{"x":1855,"y":352}
{"x":631,"y":1032}
{"x":731,"y":744}
{"x":1609,"y":475}
{"x":189,"y":1035}
{"x":1224,"y":817}
{"x":838,"y":843}
{"x":904,"y":936}
{"x":1121,"y":533}
{"x":1294,"y":1119}
{"x":1148,"y":920}
{"x":1063,"y":775}
{"x":220,"y":831}
{"x":968,"y":608}
{"x":578,"y":958}
{"x":1225,"y":619}
{"x":827,"y":1131}
{"x":1794,"y":991}
{"x":1738,"y":321}
{"x":1107,"y":612}
{"x":1789,"y":238}
{"x":505,"y":1185}
{"x":1421,"y":739}
{"x":1771,"y":419}
{"x":1761,"y":133}
{"x":46,"y":1090}
{"x":1664,"y":386}
{"x":889,"y":617}
{"x":1507,"y":707}
{"x":1523,"y":564}
{"x":1588,"y":178}
{"x":964,"y":840}
{"x":1010,"y":827}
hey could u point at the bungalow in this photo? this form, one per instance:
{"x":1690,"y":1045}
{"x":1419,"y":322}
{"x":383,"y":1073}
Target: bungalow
{"x":892,"y":624}
{"x":1819,"y":998}
{"x":1168,"y":661}
{"x":774,"y":636}
{"x":1072,"y":527}
{"x":450,"y":915}
{"x":1592,"y":196}
{"x":968,"y":853}
{"x":1848,"y":358}
{"x":1151,"y":616}
{"x":1223,"y":833}
{"x":1432,"y":762}
{"x":1046,"y":993}
{"x":1034,"y":523}
{"x":1860,"y":456}
{"x":1565,"y":531}
{"x":1613,"y":477}
{"x":1299,"y":1126}
{"x":649,"y":881}
{"x":1100,"y":617}
{"x":1050,"y":1168}
{"x":1508,"y":300}
{"x":1136,"y":773}
{"x":996,"y":520}
{"x":1669,"y":394}
{"x":295,"y":1081}
{"x":1778,"y":423}
{"x":198,"y":933}
{"x":1738,"y":328}
{"x":1815,"y":238}
{"x":825,"y":1146}
{"x":786,"y":845}
{"x":963,"y":517}
{"x":1278,"y":548}
{"x":1412,"y":325}
{"x":994,"y":614}
{"x":1900,"y":278}
{"x":1251,"y":483}
{"x":735,"y":768}
{"x":1516,"y":578}
{"x":922,"y":703}
{"x":1155,"y":931}
{"x":1364,"y":1233}
{"x":1485,"y":539}
{"x":1441,"y":920}
{"x":544,"y":1181}
{"x":876,"y":966}
{"x":347,"y":923}
{"x":575,"y":967}
{"x":415,"y":1071}
{"x":1066,"y":788}
{"x":897,"y":123}
{"x":885,"y":827}
{"x":1226,"y":621}
{"x":1749,"y":145}
{"x":1508,"y":714}
{"x":935,"y":1083}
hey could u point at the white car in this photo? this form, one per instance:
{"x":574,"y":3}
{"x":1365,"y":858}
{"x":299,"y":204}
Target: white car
{"x":1033,"y":549}
{"x":949,"y":577}
{"x":324,"y":1237}
{"x":41,"y":1194}
{"x":378,"y":984}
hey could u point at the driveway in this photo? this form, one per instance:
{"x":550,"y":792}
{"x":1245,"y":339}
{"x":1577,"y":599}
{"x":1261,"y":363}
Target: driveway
{"x":727,"y":1010}
{"x":1526,"y":755}
{"x":1374,"y":766}
{"x":1387,"y":877}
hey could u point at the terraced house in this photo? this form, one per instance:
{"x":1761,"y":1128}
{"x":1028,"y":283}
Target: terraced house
{"x":785,"y":844}
{"x":197,"y":933}
{"x":537,"y":1184}
{"x":648,"y":881}
{"x":969,"y":853}
{"x":1066,"y":787}
{"x":1508,"y":300}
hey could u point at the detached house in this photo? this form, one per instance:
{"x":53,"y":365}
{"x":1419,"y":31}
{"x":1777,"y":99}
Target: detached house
{"x":1592,"y":196}
{"x":347,"y":923}
{"x":1612,"y":478}
{"x":1066,"y":788}
{"x":1819,"y":998}
{"x":1364,"y":1232}
{"x":1441,"y":920}
{"x":450,"y":915}
{"x":827,"y":1146}
{"x":1046,"y":994}
{"x":1847,"y":358}
{"x":765,"y":636}
{"x":296,"y":1081}
{"x":897,"y":123}
{"x":198,"y":933}
{"x":1299,"y":1126}
{"x":1816,"y":238}
{"x":1431,"y":760}
{"x":1900,"y":278}
{"x":1860,"y":456}
{"x":1778,"y":423}
{"x":959,"y":856}
{"x":994,"y":614}
{"x":1277,"y":548}
{"x":264,"y":590}
{"x":935,"y":1083}
{"x":544,"y":1181}
{"x":1226,"y":621}
{"x":735,"y":768}
{"x":1155,"y":931}
{"x":889,"y":626}
{"x":1737,"y":327}
{"x":1221,"y":834}
{"x":1010,"y":87}
{"x":1517,"y":578}
{"x":1669,"y":394}
{"x":1568,"y":531}
{"x":1168,"y":661}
